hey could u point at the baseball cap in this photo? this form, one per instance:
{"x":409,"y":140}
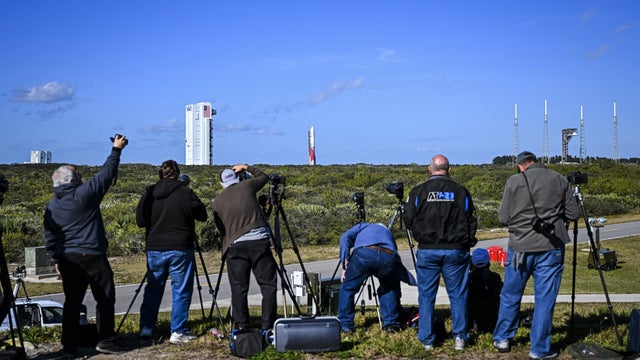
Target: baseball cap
{"x":480,"y":257}
{"x":228,"y":178}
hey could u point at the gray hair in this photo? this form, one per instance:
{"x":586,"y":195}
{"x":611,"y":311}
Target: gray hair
{"x":65,"y":174}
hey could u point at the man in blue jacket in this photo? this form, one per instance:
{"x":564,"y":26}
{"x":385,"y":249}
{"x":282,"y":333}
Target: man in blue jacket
{"x":74,"y":237}
{"x":374,"y":254}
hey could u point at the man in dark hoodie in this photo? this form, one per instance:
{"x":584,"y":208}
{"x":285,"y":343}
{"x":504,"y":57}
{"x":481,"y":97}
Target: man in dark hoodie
{"x":246,"y":243}
{"x":168,"y":211}
{"x":74,"y":237}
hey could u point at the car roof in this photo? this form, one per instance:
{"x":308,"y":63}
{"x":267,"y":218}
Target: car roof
{"x":44,"y":303}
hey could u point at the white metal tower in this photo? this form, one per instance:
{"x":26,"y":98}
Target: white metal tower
{"x":614,"y":143}
{"x":545,"y":136}
{"x":583,"y":147}
{"x":199,"y":134}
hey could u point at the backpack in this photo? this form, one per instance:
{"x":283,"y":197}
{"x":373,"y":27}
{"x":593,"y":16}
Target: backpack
{"x":245,"y":343}
{"x":484,"y":299}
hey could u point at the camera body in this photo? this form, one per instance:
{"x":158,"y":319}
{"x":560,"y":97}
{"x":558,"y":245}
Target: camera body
{"x":396,"y":188}
{"x":358,"y":199}
{"x":577,"y":178}
{"x":184,"y":179}
{"x":276,"y":179}
{"x":542,"y":227}
{"x":113,"y":138}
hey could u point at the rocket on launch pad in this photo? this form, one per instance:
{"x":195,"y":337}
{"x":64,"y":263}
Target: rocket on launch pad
{"x":312,"y":147}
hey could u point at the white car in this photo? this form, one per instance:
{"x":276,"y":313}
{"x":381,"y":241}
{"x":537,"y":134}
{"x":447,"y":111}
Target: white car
{"x":45,"y":313}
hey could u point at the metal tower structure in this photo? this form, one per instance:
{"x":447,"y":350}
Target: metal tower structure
{"x":614,"y":142}
{"x":545,"y":136}
{"x":516,"y":136}
{"x":567,"y":134}
{"x":583,"y":147}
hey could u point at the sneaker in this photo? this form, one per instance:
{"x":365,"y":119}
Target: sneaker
{"x":146,"y":333}
{"x":427,"y":347}
{"x":502,"y":346}
{"x":108,"y":346}
{"x":177,"y":338}
{"x":550,"y":356}
{"x":460,"y":343}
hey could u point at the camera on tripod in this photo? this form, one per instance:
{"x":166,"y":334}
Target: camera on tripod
{"x":20,"y":272}
{"x":577,"y":178}
{"x":542,"y":227}
{"x":278,"y":184}
{"x":396,"y":188}
{"x":358,"y":199}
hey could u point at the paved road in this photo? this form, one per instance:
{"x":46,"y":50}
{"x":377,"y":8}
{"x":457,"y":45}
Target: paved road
{"x":126,"y":293}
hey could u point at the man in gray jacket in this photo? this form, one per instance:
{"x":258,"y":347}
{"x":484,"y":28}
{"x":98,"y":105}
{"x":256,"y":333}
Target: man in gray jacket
{"x":536,"y":204}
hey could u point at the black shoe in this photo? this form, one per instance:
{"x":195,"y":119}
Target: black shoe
{"x":108,"y":346}
{"x":392,"y":329}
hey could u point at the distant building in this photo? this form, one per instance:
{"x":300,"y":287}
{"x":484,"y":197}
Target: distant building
{"x":40,"y":157}
{"x":199,"y":134}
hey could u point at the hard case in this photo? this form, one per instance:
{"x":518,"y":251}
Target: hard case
{"x":307,"y":334}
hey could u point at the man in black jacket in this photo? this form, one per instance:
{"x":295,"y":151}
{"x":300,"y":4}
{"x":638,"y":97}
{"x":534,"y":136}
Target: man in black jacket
{"x":440,"y":213}
{"x":168,"y":211}
{"x":75,"y":239}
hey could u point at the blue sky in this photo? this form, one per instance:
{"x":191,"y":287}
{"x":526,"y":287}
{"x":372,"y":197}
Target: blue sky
{"x":382,"y":82}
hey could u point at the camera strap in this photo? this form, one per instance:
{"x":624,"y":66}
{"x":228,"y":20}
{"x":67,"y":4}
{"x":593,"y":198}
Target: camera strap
{"x":530,"y":196}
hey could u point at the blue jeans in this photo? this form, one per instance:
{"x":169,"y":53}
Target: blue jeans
{"x":546,"y":268}
{"x":179,"y":264}
{"x":454,"y":267}
{"x":365,"y":262}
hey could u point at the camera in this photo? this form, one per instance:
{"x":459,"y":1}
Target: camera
{"x":184,"y":179}
{"x":244,"y":175}
{"x":276,"y":179}
{"x":542,"y":227}
{"x":396,"y":188}
{"x":358,"y":199}
{"x":113,"y":138}
{"x":577,"y":177}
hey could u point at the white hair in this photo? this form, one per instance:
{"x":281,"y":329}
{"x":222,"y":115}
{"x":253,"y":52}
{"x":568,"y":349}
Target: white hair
{"x":63,"y":175}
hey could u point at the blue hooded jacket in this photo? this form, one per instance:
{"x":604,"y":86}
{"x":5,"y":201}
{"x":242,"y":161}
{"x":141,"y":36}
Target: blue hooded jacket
{"x":73,"y":221}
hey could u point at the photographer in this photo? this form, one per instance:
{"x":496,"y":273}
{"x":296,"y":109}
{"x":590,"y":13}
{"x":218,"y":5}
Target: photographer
{"x":74,"y":237}
{"x":374,"y":254}
{"x":168,"y":210}
{"x":535,"y":205}
{"x":246,"y":243}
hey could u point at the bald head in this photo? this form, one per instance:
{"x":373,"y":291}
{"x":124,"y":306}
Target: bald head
{"x":439,"y":165}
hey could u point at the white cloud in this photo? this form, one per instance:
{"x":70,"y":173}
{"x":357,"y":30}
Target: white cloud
{"x":48,"y":93}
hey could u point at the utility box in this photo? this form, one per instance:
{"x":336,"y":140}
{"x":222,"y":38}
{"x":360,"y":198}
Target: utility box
{"x":37,"y":262}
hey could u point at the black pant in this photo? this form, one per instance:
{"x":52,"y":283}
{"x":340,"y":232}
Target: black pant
{"x":79,"y":271}
{"x":242,"y":258}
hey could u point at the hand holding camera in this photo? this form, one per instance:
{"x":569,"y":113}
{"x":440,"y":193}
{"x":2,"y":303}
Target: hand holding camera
{"x":119,"y":141}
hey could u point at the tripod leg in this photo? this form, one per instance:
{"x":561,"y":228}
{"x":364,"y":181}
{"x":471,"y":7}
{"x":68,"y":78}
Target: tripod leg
{"x":375,"y":297}
{"x":211,"y":291}
{"x":132,"y":301}
{"x":195,"y":274}
{"x":324,"y":296}
{"x":575,"y":263}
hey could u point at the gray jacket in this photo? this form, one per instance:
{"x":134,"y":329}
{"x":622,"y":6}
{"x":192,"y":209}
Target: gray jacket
{"x":554,"y":203}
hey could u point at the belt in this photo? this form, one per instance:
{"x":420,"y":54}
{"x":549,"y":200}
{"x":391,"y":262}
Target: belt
{"x":379,"y":248}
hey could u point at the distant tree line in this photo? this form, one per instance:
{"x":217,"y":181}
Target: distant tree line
{"x":557,"y":159}
{"x":317,"y":199}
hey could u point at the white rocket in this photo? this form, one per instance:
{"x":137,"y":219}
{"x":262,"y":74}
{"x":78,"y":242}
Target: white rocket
{"x":312,"y":147}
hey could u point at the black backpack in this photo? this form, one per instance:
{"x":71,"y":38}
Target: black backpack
{"x":484,"y":299}
{"x":633,"y":344}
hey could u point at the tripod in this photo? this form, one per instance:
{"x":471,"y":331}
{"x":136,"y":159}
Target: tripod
{"x":277,"y":184}
{"x":7,"y":299}
{"x":211,"y":291}
{"x":596,"y":259}
{"x":400,"y":211}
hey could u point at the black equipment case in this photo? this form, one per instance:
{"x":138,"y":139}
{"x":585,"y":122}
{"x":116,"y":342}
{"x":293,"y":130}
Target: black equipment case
{"x":307,"y":334}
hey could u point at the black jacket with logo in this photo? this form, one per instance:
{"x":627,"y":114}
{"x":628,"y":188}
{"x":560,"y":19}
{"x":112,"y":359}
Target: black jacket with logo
{"x":440,"y":213}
